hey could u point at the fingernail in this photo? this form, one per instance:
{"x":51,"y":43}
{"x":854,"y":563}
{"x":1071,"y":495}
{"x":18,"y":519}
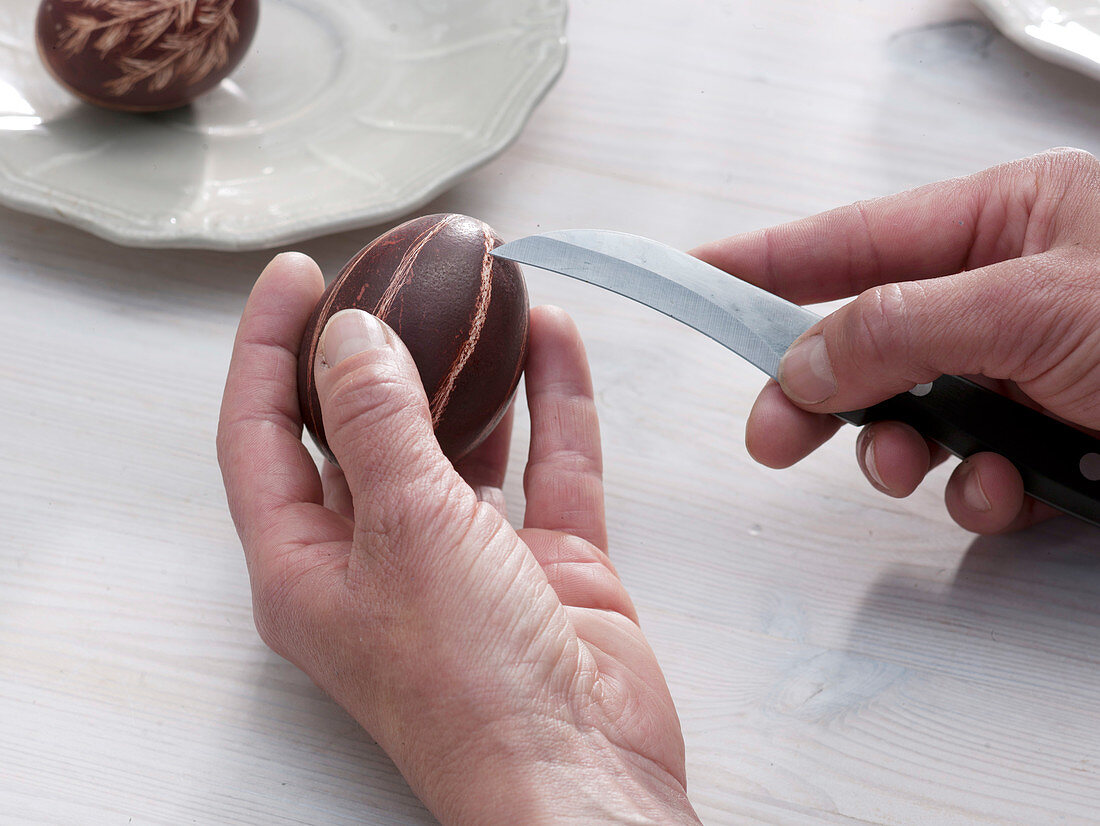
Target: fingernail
{"x":870,"y":461}
{"x":973,"y":493}
{"x":805,"y":372}
{"x":350,"y":332}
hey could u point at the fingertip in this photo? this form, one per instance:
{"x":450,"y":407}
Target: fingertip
{"x":778,"y":433}
{"x":556,"y":355}
{"x":284,"y":294}
{"x":893,"y":457}
{"x":744,"y":255}
{"x":289,"y":260}
{"x":551,"y":315}
{"x":294,"y":267}
{"x":711,"y":252}
{"x":552,"y":332}
{"x":985,"y":494}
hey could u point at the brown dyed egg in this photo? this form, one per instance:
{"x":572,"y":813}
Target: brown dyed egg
{"x":143,"y":55}
{"x":461,"y":312}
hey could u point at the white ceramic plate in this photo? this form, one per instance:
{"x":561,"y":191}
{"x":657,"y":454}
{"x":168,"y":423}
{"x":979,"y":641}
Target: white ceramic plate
{"x":344,"y":113}
{"x":1068,"y":33}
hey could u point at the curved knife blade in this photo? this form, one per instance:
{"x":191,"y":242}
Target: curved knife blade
{"x":754,"y":323}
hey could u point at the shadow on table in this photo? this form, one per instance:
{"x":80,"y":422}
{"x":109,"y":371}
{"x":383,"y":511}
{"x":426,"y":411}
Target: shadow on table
{"x":1000,"y":96}
{"x":84,"y":262}
{"x":1023,"y":607}
{"x":79,"y":260}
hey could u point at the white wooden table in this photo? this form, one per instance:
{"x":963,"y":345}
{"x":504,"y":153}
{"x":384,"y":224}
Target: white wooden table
{"x":837,"y":657}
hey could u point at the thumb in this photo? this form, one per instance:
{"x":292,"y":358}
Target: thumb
{"x":1004,"y":321}
{"x":374,"y":409}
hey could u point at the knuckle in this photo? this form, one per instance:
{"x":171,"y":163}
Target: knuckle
{"x":368,"y":395}
{"x":1045,"y":289}
{"x":1056,"y":305}
{"x":1069,"y":159}
{"x":874,"y":261}
{"x":408,"y":516}
{"x":1061,"y":171}
{"x":577,"y":492}
{"x":882,"y":321}
{"x":383,"y":532}
{"x":222,"y":442}
{"x":282,"y":609}
{"x":564,"y":467}
{"x":269,"y":613}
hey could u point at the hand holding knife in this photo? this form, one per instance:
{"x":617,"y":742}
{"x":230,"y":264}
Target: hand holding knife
{"x":1059,"y":464}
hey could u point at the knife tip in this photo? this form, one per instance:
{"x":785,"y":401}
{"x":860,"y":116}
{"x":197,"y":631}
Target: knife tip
{"x":503,"y":251}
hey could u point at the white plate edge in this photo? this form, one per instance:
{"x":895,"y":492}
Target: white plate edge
{"x":15,"y":194}
{"x":1013,"y":24}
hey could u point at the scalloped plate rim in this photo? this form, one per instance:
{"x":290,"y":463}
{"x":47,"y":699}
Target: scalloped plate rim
{"x":1013,"y":18}
{"x":25,"y":196}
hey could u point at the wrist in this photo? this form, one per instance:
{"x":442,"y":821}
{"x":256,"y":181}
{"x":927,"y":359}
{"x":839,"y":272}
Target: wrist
{"x":553,"y":776}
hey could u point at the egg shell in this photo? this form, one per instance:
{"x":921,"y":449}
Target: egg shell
{"x":143,"y":55}
{"x":462,"y":313}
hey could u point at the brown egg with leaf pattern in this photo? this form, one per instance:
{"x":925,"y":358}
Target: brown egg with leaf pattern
{"x":143,"y":55}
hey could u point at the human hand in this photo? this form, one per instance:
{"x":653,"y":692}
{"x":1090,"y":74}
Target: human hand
{"x":504,"y":672}
{"x":994,"y":276}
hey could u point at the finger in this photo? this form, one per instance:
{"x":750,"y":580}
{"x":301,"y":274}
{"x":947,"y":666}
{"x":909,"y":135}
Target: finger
{"x":1017,"y":320}
{"x":938,"y":229}
{"x":406,"y":495}
{"x":563,"y":482}
{"x":893,"y":457}
{"x":985,"y":494}
{"x":337,"y":493}
{"x":778,"y":434}
{"x":263,"y":462}
{"x":581,"y":574}
{"x":485,"y":466}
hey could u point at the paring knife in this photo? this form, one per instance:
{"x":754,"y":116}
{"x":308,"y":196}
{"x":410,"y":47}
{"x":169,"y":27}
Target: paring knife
{"x":1060,"y":465}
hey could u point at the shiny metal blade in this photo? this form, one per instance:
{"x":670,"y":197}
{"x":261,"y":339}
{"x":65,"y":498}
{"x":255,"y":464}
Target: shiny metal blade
{"x":754,"y":323}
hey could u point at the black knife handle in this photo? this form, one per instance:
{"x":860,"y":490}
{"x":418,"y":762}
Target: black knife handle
{"x":1060,"y":465}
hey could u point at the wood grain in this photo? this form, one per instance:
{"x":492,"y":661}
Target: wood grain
{"x":837,"y":657}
